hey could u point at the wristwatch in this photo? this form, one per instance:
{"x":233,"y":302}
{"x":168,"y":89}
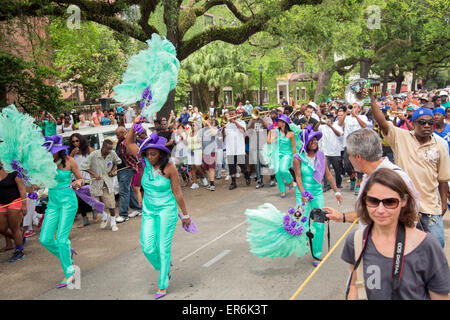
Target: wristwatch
{"x":343,"y":217}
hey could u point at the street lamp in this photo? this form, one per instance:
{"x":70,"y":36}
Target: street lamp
{"x":261,"y":68}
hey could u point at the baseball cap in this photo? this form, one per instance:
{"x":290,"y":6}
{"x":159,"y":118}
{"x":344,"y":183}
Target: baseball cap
{"x":312,"y":104}
{"x":443,"y":93}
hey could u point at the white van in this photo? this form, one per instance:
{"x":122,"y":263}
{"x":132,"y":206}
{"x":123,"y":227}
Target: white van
{"x":96,"y":135}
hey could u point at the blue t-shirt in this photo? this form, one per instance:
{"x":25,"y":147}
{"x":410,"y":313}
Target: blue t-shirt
{"x":184,"y":117}
{"x":445,"y":134}
{"x":105,"y":121}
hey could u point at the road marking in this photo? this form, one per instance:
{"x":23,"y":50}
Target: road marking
{"x":214,"y":260}
{"x":204,"y":246}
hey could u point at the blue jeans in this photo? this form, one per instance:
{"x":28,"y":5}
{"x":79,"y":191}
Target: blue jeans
{"x":126,"y":194}
{"x":435,"y":226}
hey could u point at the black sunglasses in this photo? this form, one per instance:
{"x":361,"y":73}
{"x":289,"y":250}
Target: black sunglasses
{"x":423,"y":122}
{"x":73,"y":141}
{"x":388,"y":203}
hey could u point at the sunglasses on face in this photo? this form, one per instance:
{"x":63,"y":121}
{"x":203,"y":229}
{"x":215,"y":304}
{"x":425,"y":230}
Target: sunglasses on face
{"x":423,"y":122}
{"x":388,"y":203}
{"x":73,"y":141}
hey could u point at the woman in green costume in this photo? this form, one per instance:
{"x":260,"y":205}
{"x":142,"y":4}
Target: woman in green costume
{"x":310,"y":167}
{"x":162,"y":193}
{"x":61,"y":208}
{"x":283,"y":153}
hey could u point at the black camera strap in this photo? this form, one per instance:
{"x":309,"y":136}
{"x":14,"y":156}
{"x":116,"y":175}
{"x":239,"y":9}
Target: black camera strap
{"x":311,"y":236}
{"x":397,"y":260}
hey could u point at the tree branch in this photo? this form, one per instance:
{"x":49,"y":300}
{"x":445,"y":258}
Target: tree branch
{"x":199,"y":11}
{"x":235,"y":35}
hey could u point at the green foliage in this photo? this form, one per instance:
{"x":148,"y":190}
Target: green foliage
{"x":26,"y":81}
{"x":217,"y":65}
{"x":93,"y":56}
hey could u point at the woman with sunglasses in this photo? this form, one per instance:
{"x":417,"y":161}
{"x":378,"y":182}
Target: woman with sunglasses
{"x":79,"y":150}
{"x":162,"y":193}
{"x":388,"y":208}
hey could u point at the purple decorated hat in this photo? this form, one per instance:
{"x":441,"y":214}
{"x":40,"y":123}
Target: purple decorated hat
{"x":154,"y":142}
{"x":284,"y":117}
{"x":53,"y":144}
{"x":306,"y":135}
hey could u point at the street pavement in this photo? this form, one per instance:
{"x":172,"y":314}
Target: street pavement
{"x":215,"y":264}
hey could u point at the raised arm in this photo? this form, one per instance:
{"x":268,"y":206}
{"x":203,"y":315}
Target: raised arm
{"x":132,"y":147}
{"x":378,"y":114}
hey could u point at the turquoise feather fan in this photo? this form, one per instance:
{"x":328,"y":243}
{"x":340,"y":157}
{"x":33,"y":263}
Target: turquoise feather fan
{"x":156,"y":67}
{"x":267,"y":236}
{"x":22,"y":141}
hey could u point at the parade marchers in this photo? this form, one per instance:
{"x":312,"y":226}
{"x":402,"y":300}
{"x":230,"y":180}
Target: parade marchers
{"x":293,"y":146}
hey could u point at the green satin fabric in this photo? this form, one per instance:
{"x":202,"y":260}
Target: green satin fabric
{"x":61,"y":210}
{"x":311,"y":185}
{"x":286,"y":157}
{"x":160,"y":216}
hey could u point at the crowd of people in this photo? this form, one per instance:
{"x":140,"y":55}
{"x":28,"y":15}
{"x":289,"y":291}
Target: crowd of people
{"x":394,"y":152}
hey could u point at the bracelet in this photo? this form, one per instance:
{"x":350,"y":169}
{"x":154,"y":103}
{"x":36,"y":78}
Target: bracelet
{"x":343,"y":217}
{"x":185,"y":217}
{"x":338,"y":194}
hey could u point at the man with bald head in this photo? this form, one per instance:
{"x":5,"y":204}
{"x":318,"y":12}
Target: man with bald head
{"x":124,"y":177}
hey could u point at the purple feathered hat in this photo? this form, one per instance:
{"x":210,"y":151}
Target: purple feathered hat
{"x":306,"y":135}
{"x":53,"y":144}
{"x":154,"y":142}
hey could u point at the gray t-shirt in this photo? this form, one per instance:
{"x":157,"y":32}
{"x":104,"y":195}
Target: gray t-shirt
{"x":424,"y":269}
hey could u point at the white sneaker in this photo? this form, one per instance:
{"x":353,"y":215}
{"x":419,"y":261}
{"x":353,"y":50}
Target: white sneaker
{"x":135,"y":213}
{"x":212,"y":188}
{"x":238,"y":174}
{"x":228,"y":178}
{"x":194,"y":186}
{"x":105,"y":222}
{"x":205,"y":182}
{"x":114,"y":228}
{"x":121,"y":219}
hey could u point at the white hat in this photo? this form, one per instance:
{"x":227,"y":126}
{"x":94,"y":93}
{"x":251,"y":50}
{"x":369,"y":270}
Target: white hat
{"x":312,"y":104}
{"x":443,"y":93}
{"x":423,"y":96}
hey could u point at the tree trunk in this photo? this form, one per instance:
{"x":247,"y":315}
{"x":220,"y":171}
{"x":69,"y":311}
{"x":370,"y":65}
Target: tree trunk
{"x":398,"y":83}
{"x":322,"y":82}
{"x":385,"y":82}
{"x":413,"y":84}
{"x":364,"y":67}
{"x":216,"y":96}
